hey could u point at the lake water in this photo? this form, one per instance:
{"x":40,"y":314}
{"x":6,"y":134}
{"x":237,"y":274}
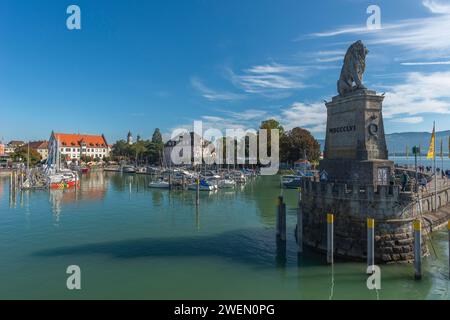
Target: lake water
{"x":134,"y":242}
{"x":440,"y":163}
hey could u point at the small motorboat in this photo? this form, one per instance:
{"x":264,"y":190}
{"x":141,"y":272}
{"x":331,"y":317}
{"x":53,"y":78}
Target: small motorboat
{"x":226,"y":184}
{"x":160,"y":184}
{"x":128,"y":169}
{"x":203,"y":186}
{"x":291,"y":181}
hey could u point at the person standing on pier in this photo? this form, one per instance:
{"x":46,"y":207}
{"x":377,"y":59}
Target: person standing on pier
{"x":405,"y":180}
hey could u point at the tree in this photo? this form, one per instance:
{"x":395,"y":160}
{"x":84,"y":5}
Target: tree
{"x":270,"y":125}
{"x":21,"y":154}
{"x":157,"y":147}
{"x":297,"y":144}
{"x":157,"y":137}
{"x":121,"y":149}
{"x":137,"y":149}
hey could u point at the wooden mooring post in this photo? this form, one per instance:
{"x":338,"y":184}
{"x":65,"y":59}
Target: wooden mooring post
{"x":281,"y":220}
{"x":299,"y":223}
{"x":417,"y":226}
{"x":197,"y":193}
{"x":330,"y":235}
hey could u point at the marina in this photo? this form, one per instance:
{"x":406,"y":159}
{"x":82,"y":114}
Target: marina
{"x":156,"y":243}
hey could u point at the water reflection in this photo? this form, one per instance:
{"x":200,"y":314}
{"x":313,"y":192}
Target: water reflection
{"x":93,"y":187}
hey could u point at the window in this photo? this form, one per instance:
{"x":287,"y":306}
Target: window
{"x":67,"y":149}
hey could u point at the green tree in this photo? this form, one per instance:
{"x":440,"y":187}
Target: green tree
{"x":156,"y":148}
{"x":157,"y":137}
{"x":270,"y":125}
{"x":121,"y":149}
{"x":138,"y":149}
{"x":21,"y":154}
{"x":298,"y":143}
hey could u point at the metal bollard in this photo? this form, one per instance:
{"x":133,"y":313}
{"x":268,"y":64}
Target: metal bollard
{"x":417,"y":225}
{"x":370,"y":245}
{"x":330,"y":235}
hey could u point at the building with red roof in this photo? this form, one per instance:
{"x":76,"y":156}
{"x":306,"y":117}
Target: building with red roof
{"x":76,"y":146}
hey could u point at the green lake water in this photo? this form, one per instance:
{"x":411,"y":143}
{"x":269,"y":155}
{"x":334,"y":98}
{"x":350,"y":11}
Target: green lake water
{"x":134,"y":242}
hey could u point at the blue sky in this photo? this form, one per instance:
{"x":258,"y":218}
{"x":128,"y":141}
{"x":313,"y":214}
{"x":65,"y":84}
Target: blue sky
{"x":137,"y":65}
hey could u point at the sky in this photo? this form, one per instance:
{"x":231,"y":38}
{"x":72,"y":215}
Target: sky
{"x":137,"y":65}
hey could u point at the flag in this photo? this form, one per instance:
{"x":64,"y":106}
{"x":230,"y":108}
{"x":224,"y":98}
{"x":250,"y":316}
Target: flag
{"x":432,"y":149}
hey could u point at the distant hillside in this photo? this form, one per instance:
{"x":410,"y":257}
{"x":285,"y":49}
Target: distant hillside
{"x":397,"y":142}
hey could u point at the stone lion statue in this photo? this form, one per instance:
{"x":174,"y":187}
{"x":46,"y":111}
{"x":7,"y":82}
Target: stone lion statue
{"x":353,"y":69}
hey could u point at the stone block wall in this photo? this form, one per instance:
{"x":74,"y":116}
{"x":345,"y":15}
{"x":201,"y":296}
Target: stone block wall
{"x":352,"y":205}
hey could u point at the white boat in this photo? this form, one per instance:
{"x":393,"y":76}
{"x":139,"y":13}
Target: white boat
{"x":128,"y":169}
{"x":226,"y":184}
{"x":161,"y":184}
{"x":213,"y":181}
{"x":239,"y":177}
{"x":204,"y":186}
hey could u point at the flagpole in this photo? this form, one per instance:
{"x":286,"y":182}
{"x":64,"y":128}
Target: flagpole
{"x":442,"y":156}
{"x":434,"y":164}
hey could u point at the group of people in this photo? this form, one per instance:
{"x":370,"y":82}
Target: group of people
{"x":429,"y":169}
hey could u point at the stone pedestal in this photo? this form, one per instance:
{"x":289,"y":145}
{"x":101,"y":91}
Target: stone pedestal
{"x":355,"y":146}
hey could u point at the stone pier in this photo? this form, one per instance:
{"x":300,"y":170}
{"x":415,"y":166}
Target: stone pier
{"x":393,"y":211}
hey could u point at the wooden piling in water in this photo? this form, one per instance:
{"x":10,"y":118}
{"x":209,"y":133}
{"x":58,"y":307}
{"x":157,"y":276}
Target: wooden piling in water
{"x":370,"y":245}
{"x":299,"y":223}
{"x":281,"y":220}
{"x":330,"y":235}
{"x":417,"y":226}
{"x":197,"y":193}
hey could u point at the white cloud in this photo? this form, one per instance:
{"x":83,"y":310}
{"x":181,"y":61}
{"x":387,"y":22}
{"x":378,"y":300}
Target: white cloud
{"x":212,"y":118}
{"x":248,"y":115}
{"x":340,"y":31}
{"x":312,"y":117}
{"x":213,"y":95}
{"x":419,"y":93}
{"x":436,"y":7}
{"x":425,"y":63}
{"x":330,"y":59}
{"x":270,"y":79}
{"x":428,"y":35}
{"x":409,"y":120}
